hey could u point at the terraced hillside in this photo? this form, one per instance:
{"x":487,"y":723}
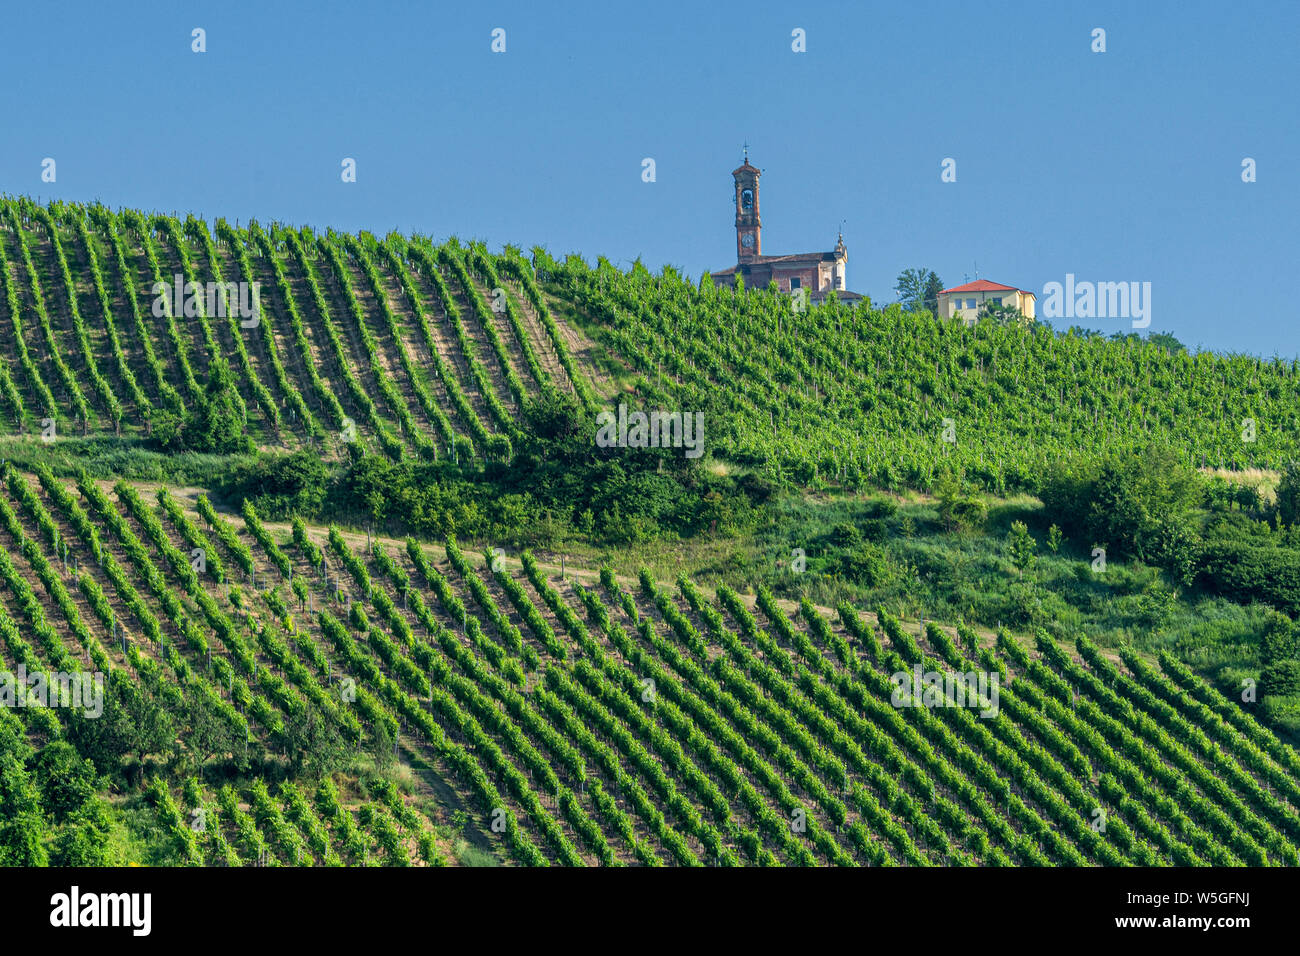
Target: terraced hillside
{"x":590,"y":719}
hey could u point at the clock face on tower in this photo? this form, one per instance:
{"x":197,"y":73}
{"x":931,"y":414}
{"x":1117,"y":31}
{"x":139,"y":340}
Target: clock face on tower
{"x":747,"y":240}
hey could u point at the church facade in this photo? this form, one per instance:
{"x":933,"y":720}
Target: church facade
{"x":816,"y":272}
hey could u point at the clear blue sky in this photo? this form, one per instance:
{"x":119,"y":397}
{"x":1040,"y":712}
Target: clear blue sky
{"x":1115,"y":166}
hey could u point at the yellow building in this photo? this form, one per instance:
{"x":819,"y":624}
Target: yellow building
{"x":967,"y":301}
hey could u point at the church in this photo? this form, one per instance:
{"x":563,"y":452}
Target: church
{"x":817,"y":272}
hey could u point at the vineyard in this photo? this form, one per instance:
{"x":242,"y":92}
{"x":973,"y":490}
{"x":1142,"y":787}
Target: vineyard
{"x":434,"y":352}
{"x":286,"y":685}
{"x":877,"y":398}
{"x":590,"y":720}
{"x":402,"y":346}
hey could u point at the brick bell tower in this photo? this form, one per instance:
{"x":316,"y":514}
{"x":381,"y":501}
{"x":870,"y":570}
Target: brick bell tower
{"x":749,"y":230}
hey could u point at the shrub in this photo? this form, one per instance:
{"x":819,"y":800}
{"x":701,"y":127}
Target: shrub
{"x":880,"y":508}
{"x":845,"y":536}
{"x":1246,"y":572}
{"x":1279,"y":653}
{"x":1283,"y":712}
{"x":866,"y":565}
{"x":960,"y":509}
{"x":874,"y":529}
{"x":1288,"y":495}
{"x":1139,"y":504}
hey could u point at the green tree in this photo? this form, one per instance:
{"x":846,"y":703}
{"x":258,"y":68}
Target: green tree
{"x":313,"y":743}
{"x":282,"y":485}
{"x":960,"y":508}
{"x":1165,"y":341}
{"x":207,"y":734}
{"x":557,"y":416}
{"x":1288,"y":495}
{"x":918,"y":289}
{"x":67,"y":780}
{"x":22,"y":824}
{"x":217,"y":425}
{"x":1279,"y":654}
{"x":214,"y":424}
{"x":865,"y":564}
{"x":84,"y":843}
{"x":1001,"y":314}
{"x":133,"y":724}
{"x":1054,"y":539}
{"x":1139,"y":504}
{"x":1021,"y":547}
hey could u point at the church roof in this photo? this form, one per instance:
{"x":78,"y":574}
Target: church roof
{"x":745,"y":167}
{"x":777,"y":260}
{"x":800,"y":257}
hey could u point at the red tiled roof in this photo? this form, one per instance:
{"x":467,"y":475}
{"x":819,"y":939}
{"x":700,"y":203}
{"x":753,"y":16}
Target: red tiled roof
{"x":984,"y":285}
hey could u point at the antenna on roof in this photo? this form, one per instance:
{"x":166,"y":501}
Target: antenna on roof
{"x":746,"y":147}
